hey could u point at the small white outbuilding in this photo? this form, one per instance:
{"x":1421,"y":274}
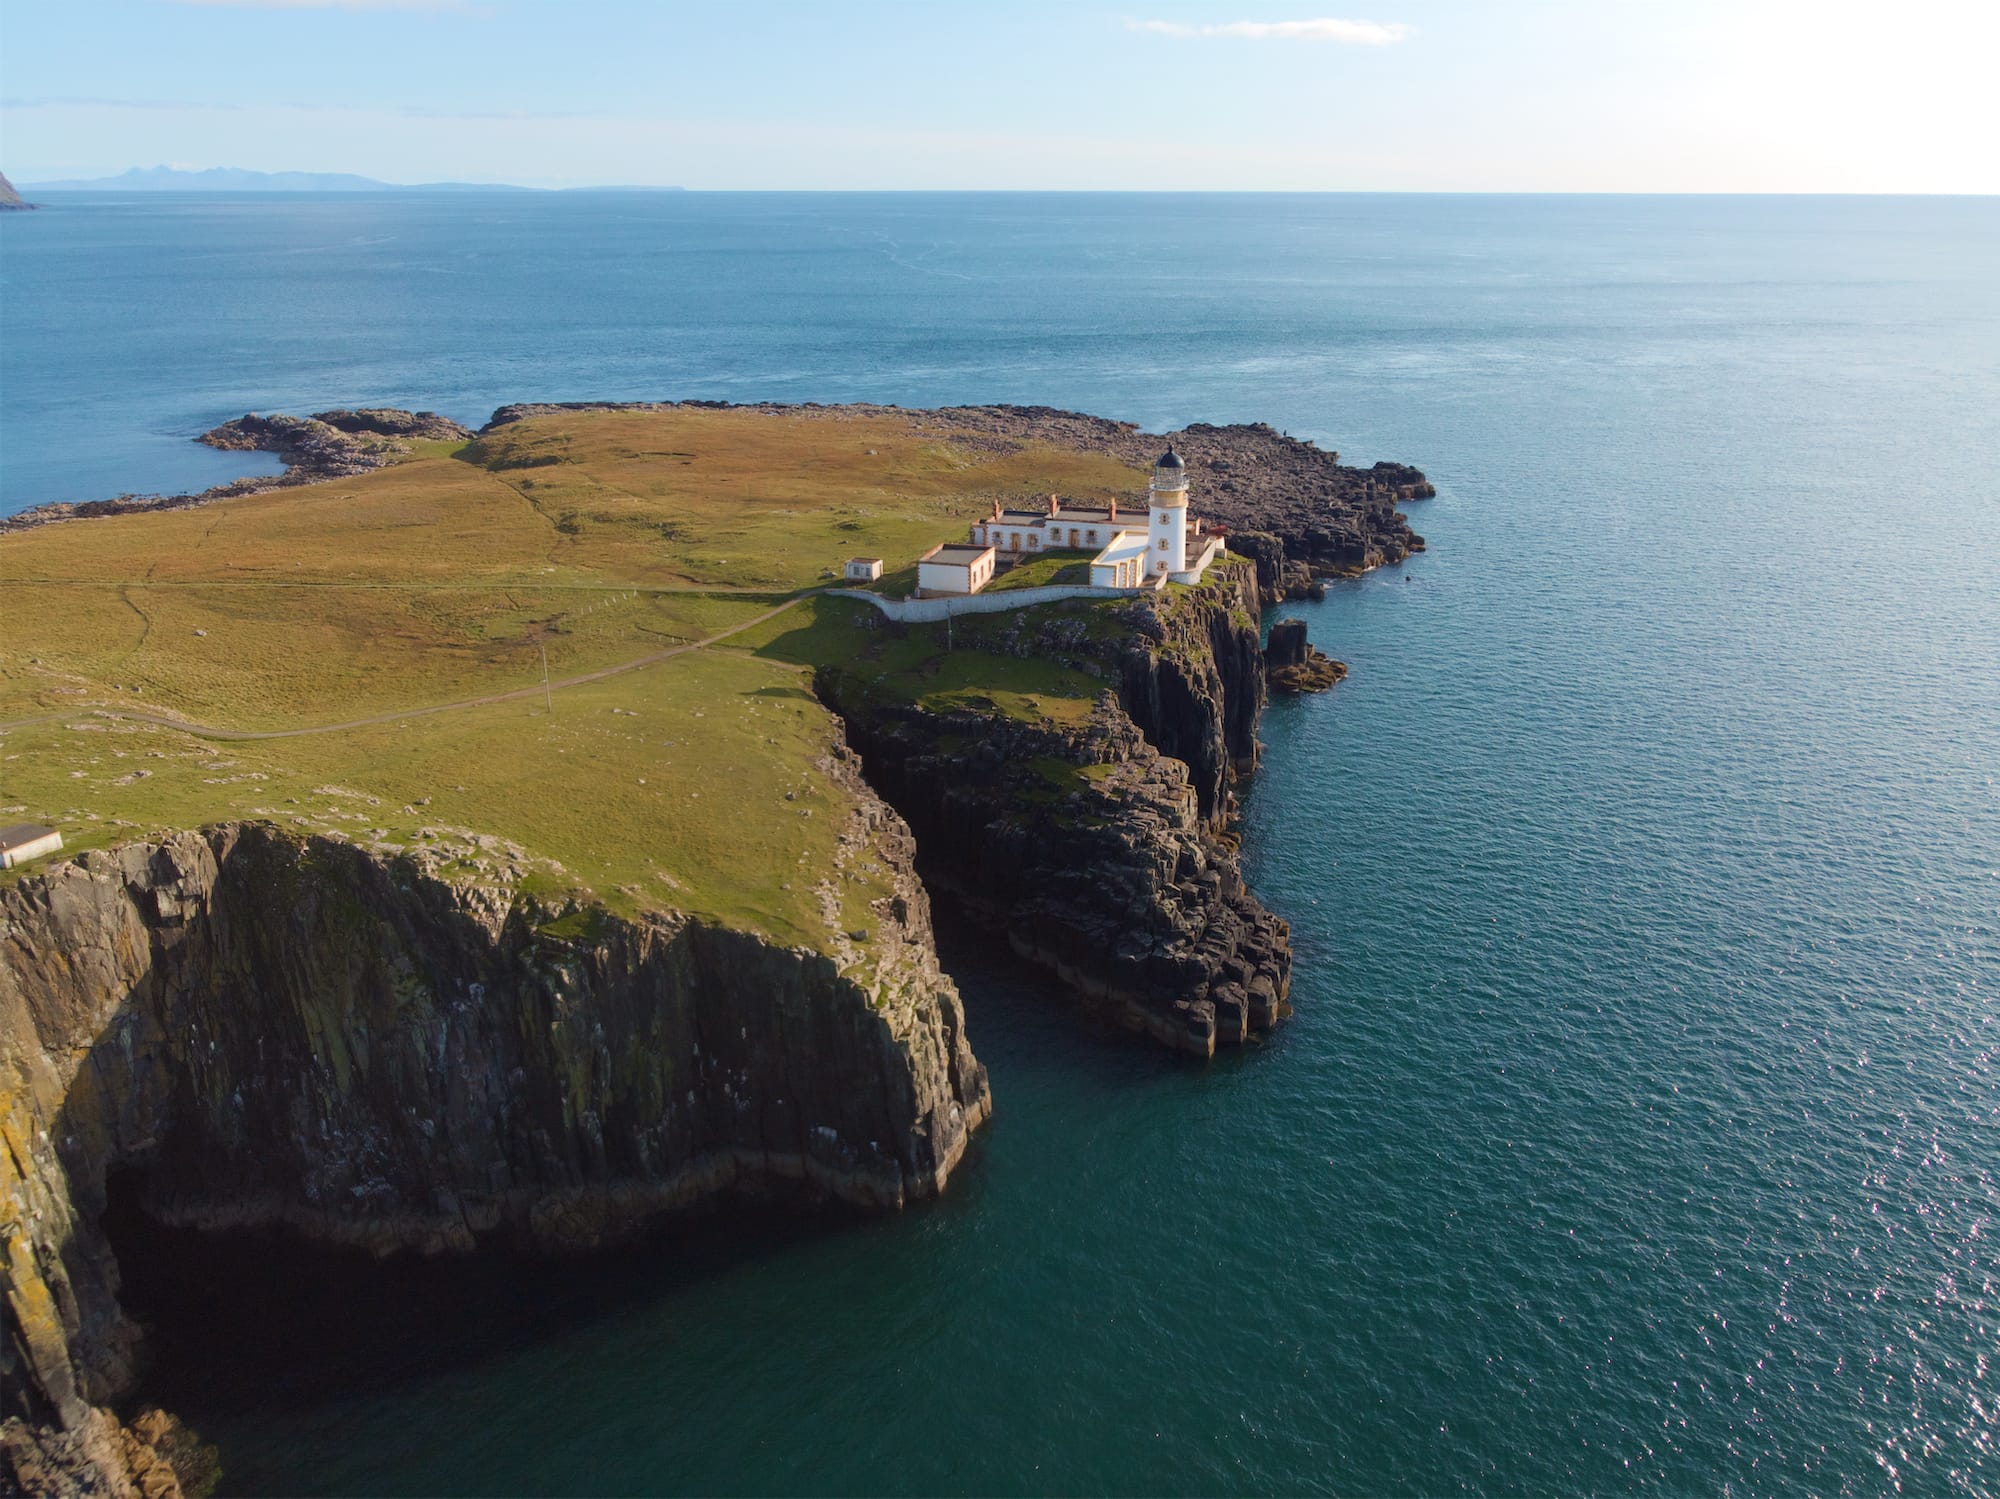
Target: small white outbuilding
{"x":863,"y":569}
{"x":25,"y":841}
{"x":1122,"y":564}
{"x":954,"y":568}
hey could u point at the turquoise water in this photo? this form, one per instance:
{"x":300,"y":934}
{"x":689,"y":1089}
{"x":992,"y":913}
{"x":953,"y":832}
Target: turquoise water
{"x":1639,"y":1127}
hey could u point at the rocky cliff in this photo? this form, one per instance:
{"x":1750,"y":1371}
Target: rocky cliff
{"x":276,"y":1030}
{"x":1103,"y":850}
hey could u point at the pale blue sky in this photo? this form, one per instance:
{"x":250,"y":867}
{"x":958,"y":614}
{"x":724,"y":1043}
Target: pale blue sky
{"x":1543,"y":95}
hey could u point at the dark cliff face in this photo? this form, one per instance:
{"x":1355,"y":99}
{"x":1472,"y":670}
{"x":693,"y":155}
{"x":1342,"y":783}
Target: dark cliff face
{"x":1194,"y":683}
{"x":277,"y":1031}
{"x":1102,"y":850}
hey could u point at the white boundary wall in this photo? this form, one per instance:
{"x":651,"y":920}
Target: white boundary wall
{"x":1212,"y":548}
{"x":929,"y":611}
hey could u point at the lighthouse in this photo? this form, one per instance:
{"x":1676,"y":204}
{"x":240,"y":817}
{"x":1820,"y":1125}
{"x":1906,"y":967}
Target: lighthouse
{"x":1166,"y":534}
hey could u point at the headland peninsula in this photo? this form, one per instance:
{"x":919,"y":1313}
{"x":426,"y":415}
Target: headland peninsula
{"x":524,"y":833}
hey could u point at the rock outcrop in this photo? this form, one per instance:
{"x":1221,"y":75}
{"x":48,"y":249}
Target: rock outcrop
{"x":331,"y":445}
{"x":1292,"y":664}
{"x":9,"y":199}
{"x":1103,"y":851}
{"x":334,"y":444}
{"x":286,"y":1031}
{"x":1333,"y":518}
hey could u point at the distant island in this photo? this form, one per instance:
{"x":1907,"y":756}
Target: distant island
{"x":237,"y":180}
{"x":9,"y":199}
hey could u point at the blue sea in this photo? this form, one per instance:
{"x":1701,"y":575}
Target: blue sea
{"x":1639,"y":1127}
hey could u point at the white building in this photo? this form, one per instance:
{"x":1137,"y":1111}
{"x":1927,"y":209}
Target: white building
{"x":863,"y":569}
{"x":1167,"y":522}
{"x":1173,"y":545}
{"x":952,"y":567}
{"x":25,"y":841}
{"x":1122,"y":564}
{"x":1058,"y":527}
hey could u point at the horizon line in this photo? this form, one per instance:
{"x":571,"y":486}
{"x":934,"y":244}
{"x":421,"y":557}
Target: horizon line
{"x":87,"y":185}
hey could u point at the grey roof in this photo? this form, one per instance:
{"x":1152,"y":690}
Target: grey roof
{"x":22,"y":832}
{"x":956,"y":553}
{"x":1067,"y":512}
{"x":1170,"y":459}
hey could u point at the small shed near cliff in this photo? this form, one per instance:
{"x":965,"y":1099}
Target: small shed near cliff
{"x":27,"y":840}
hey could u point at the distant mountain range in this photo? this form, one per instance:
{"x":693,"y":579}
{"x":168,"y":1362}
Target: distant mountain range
{"x":236,"y":180}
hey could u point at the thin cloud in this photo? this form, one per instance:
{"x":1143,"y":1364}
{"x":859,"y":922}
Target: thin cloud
{"x":1325,"y":29}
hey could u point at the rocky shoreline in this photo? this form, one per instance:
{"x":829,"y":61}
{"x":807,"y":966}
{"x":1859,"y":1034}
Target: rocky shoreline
{"x":330,"y":445}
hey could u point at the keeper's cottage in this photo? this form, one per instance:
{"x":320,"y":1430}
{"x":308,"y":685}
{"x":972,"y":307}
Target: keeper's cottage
{"x":1173,"y":546}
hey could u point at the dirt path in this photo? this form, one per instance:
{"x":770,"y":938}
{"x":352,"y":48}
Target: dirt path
{"x":209,"y":731}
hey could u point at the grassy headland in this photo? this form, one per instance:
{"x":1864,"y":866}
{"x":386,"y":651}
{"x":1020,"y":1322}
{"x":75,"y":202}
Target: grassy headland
{"x":591,"y":540}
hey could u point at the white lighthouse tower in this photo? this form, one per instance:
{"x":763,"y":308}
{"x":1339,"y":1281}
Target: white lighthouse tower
{"x":1166,"y":534}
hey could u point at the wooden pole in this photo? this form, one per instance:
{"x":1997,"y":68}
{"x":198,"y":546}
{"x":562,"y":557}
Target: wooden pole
{"x":548,"y":696}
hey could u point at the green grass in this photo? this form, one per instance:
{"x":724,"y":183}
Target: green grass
{"x":664,"y":787}
{"x":1044,"y":569}
{"x":917,"y":664}
{"x":769,"y":500}
{"x":271,"y":656}
{"x":594,"y":538}
{"x":898,"y":583}
{"x":435,"y":447}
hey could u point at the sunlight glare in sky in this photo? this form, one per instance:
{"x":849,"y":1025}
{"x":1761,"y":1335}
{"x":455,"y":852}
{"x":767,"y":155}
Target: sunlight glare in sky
{"x":1471,"y":95}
